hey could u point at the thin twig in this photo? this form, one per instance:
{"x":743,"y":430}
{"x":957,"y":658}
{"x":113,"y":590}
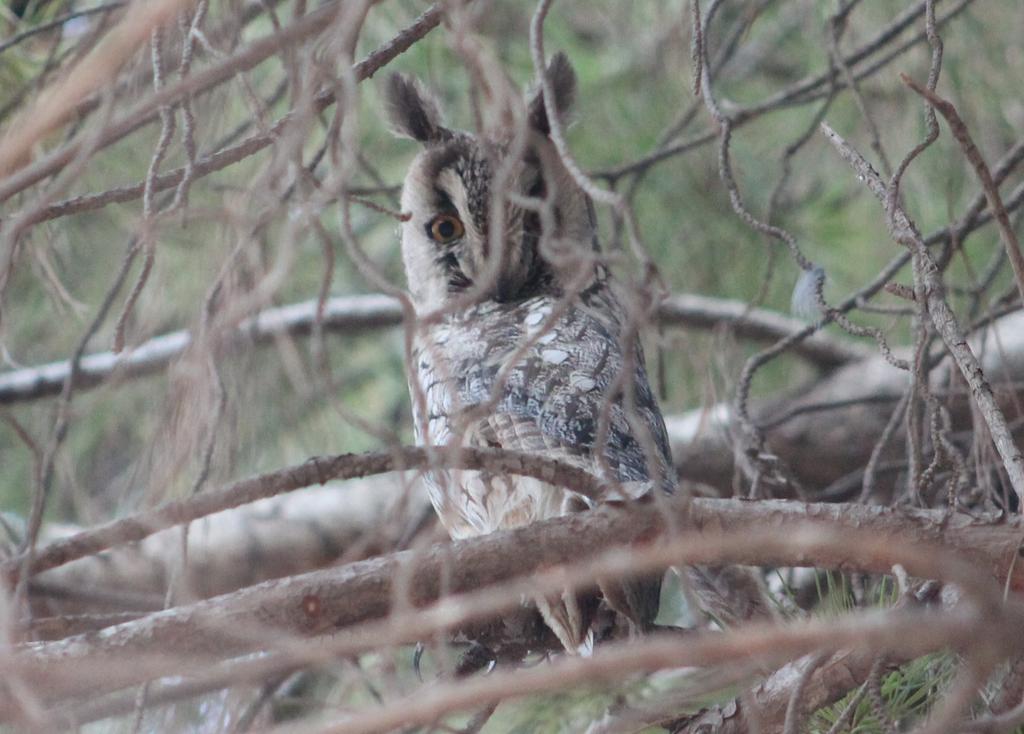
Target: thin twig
{"x":58,"y":22}
{"x":943,"y":318}
{"x":53,"y":107}
{"x":23,"y":568}
{"x":988,"y":185}
{"x":244,"y":59}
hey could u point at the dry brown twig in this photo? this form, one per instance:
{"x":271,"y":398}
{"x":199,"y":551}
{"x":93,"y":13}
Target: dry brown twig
{"x":988,"y":185}
{"x":44,"y":477}
{"x":942,"y":316}
{"x":358,"y":594}
{"x":425,"y":707}
{"x":215,"y":74}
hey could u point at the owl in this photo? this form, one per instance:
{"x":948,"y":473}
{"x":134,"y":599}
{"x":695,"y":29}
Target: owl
{"x":523,"y":342}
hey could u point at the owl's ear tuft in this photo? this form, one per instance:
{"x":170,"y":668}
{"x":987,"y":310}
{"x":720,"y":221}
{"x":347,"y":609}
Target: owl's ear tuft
{"x":413,"y":111}
{"x":562,"y":78}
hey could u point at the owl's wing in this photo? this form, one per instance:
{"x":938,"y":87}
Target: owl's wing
{"x":635,"y":597}
{"x":522,"y":433}
{"x":567,"y":390}
{"x":572,"y":395}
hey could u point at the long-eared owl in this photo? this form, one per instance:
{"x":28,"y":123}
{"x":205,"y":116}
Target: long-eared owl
{"x":525,"y":344}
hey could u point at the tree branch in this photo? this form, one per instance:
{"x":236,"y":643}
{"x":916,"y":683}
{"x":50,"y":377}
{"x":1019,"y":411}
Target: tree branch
{"x":55,"y":104}
{"x":349,"y":315}
{"x":825,"y":431}
{"x":494,"y":571}
{"x":988,"y":185}
{"x":941,"y":314}
{"x":317,"y":470}
{"x":272,"y":538}
{"x":911,"y":635}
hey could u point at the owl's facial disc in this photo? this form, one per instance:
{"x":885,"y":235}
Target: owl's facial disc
{"x":452,"y":209}
{"x":453,"y":246}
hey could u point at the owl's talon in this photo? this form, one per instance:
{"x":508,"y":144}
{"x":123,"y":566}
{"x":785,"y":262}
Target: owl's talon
{"x":477,"y":657}
{"x":417,"y":656}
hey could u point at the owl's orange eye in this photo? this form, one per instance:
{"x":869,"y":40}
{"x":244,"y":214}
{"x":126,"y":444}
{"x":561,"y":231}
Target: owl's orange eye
{"x":445,"y":228}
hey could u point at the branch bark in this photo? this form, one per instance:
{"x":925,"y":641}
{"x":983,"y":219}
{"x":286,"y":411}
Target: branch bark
{"x":276,"y":613}
{"x":317,"y":470}
{"x":269,"y":539}
{"x":834,"y":423}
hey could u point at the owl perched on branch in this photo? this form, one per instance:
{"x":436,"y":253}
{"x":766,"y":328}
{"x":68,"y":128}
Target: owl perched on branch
{"x":526,"y":345}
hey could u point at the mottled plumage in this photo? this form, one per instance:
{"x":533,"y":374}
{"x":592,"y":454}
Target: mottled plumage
{"x":527,"y":347}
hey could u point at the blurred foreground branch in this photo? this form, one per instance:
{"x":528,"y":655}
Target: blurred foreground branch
{"x":976,"y":555}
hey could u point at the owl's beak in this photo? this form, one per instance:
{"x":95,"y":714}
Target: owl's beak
{"x":507,"y":289}
{"x":515,"y":276}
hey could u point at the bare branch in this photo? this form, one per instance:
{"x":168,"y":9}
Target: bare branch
{"x":350,"y":315}
{"x":188,"y":639}
{"x":57,"y":22}
{"x":271,"y":538}
{"x":246,"y":58}
{"x":316,"y":470}
{"x":943,"y":317}
{"x":988,"y":185}
{"x":899,"y":635}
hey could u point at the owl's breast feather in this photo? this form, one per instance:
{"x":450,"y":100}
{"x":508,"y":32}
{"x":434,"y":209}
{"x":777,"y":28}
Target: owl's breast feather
{"x":562,"y":374}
